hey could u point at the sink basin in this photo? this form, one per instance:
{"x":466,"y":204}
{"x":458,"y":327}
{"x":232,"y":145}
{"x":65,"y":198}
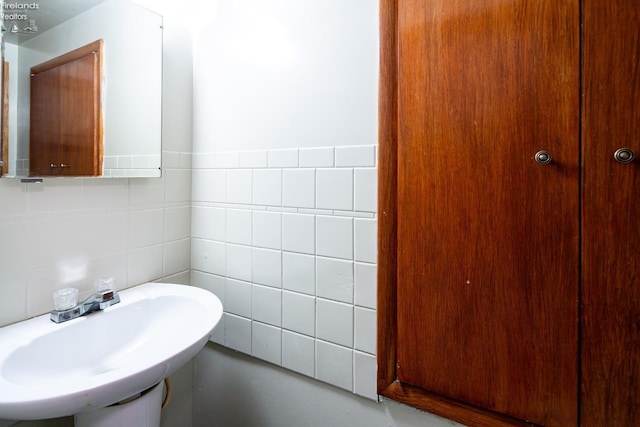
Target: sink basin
{"x":50,"y":370}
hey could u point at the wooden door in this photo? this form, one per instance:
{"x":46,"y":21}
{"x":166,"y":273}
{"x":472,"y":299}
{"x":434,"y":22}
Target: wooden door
{"x":80,"y":131}
{"x":66,"y":114}
{"x":487,"y":239}
{"x":44,"y":131}
{"x":610,"y":215}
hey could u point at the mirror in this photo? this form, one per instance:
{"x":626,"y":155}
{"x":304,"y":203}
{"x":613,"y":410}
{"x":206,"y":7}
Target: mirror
{"x":130,"y":95}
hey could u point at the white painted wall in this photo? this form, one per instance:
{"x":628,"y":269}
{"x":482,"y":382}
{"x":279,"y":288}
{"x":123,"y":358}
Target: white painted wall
{"x":286,"y":74}
{"x":284,"y":215}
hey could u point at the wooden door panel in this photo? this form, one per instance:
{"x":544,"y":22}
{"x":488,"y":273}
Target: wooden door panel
{"x":66,"y":114}
{"x":44,"y":130}
{"x":488,"y":239}
{"x":79,"y":101}
{"x":610,"y":212}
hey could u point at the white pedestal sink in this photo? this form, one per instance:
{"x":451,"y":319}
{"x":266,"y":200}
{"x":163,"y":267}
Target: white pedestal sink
{"x":50,"y":370}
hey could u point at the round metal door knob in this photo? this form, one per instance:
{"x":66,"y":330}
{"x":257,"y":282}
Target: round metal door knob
{"x":624,"y":155}
{"x":543,"y":157}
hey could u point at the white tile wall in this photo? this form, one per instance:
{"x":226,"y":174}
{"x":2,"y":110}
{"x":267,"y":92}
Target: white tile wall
{"x":298,"y":188}
{"x":131,"y":166}
{"x":334,"y":236}
{"x":209,"y":223}
{"x":209,"y":185}
{"x":253,"y":159}
{"x":362,"y":155}
{"x":298,"y":353}
{"x":267,"y":229}
{"x":177,"y":223}
{"x":287,"y":240}
{"x":366,"y":184}
{"x":208,"y":256}
{"x":299,"y":313}
{"x":266,"y":305}
{"x":238,"y":299}
{"x":365,"y":330}
{"x":147,"y":223}
{"x":239,"y":262}
{"x":267,"y":267}
{"x":365,"y":240}
{"x":266,"y":343}
{"x":365,"y":374}
{"x":334,"y":279}
{"x":334,"y":189}
{"x":334,"y":364}
{"x":365,"y":284}
{"x":177,"y":255}
{"x":237,"y":333}
{"x":238,"y":226}
{"x":282,"y":158}
{"x":322,"y":157}
{"x":267,"y":187}
{"x":334,"y":322}
{"x":239,"y":186}
{"x":298,"y":233}
{"x":299,"y":272}
{"x":70,"y":232}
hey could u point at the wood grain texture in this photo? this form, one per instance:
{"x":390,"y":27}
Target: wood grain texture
{"x":44,"y":130}
{"x":610,"y":212}
{"x":448,"y":408}
{"x":487,"y":258}
{"x":79,"y":112}
{"x":387,"y":196}
{"x":66,"y":114}
{"x":93,"y":47}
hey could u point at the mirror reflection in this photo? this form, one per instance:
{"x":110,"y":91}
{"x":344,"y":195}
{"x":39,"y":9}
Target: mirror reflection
{"x":82,"y":83}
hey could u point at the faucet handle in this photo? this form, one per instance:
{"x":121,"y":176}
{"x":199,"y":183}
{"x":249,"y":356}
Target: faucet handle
{"x":64,"y":299}
{"x":106,"y":298}
{"x":105,"y":283}
{"x":105,"y":295}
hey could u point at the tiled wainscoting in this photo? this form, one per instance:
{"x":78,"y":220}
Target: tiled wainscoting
{"x":287,"y":240}
{"x":68,"y":232}
{"x":131,"y":166}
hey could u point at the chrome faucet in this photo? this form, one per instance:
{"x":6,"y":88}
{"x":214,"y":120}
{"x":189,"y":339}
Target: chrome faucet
{"x":98,"y":301}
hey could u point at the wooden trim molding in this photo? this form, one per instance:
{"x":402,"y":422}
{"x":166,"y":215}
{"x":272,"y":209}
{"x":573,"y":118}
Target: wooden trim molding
{"x":93,"y":47}
{"x":98,"y":70}
{"x":387,"y":194}
{"x":449,"y":408}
